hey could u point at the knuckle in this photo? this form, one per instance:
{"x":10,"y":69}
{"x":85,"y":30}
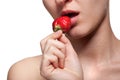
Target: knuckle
{"x":43,"y":69}
{"x":44,"y":73}
{"x":45,"y":56}
{"x":54,"y":59}
{"x":52,"y":49}
{"x":42,"y":42}
{"x":62,"y":46}
{"x":62,"y":56}
{"x":59,"y":54}
{"x":49,"y":41}
{"x":50,"y":57}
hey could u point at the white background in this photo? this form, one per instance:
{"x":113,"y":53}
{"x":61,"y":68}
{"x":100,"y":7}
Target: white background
{"x":23,"y":23}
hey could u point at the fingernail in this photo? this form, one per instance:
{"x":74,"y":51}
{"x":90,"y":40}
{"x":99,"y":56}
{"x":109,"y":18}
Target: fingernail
{"x":59,"y":31}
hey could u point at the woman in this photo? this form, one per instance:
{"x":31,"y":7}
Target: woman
{"x":89,"y":51}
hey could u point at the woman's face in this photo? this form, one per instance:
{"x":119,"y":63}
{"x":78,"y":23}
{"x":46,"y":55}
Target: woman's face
{"x":86,"y":15}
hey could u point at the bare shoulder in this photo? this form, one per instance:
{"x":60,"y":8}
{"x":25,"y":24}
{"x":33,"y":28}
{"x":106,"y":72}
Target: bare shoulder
{"x":26,"y":69}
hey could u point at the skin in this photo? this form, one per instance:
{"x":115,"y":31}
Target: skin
{"x":90,"y":51}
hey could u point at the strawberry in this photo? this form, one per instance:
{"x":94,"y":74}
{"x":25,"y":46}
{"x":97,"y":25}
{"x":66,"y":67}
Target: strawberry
{"x":62,"y":23}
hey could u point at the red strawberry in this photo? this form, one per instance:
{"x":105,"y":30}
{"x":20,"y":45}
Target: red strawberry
{"x":62,"y":23}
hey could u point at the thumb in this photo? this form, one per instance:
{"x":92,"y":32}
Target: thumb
{"x":69,"y":48}
{"x":72,"y":59}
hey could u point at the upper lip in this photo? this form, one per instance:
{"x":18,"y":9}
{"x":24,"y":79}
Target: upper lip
{"x":69,"y":13}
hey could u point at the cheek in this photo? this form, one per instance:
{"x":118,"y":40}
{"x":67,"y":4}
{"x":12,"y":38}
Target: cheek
{"x":51,"y":7}
{"x":91,"y":21}
{"x":94,"y":14}
{"x":95,"y":8}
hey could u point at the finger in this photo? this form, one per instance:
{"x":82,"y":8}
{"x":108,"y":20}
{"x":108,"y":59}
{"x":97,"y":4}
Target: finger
{"x":48,"y":64}
{"x":49,"y":60}
{"x":54,"y":36}
{"x":69,"y":48}
{"x":64,"y":39}
{"x":56,"y":44}
{"x":59,"y":54}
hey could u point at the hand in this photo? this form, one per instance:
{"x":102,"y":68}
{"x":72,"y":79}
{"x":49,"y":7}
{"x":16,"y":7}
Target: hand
{"x":59,"y":60}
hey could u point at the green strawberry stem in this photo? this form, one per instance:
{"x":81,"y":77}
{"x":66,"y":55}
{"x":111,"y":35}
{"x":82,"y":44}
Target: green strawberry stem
{"x":57,"y":27}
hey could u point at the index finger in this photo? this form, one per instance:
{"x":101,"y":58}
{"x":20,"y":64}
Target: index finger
{"x":54,"y":36}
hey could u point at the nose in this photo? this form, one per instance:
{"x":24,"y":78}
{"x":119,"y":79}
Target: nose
{"x":62,"y":2}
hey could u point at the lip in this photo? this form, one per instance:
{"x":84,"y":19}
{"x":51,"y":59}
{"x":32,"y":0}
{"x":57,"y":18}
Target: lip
{"x":73,"y":16}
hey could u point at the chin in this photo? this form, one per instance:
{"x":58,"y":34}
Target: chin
{"x":78,"y":33}
{"x":75,"y":35}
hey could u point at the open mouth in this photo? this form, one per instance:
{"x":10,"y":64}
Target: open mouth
{"x":70,"y":14}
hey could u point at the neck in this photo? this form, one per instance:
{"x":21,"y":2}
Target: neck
{"x":98,"y":45}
